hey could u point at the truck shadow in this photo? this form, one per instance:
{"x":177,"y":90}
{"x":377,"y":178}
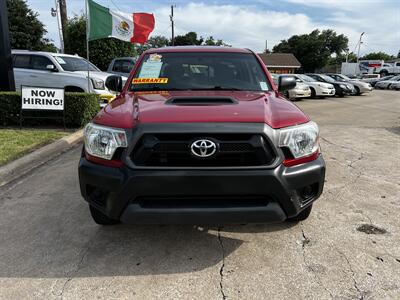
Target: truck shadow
{"x":121,"y":250}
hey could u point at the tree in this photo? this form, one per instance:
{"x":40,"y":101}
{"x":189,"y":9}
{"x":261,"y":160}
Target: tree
{"x":378,"y":55}
{"x":26,"y":31}
{"x":189,"y":38}
{"x":398,"y":54}
{"x":157,"y":41}
{"x":101,"y":51}
{"x":211,"y":42}
{"x":314,"y":50}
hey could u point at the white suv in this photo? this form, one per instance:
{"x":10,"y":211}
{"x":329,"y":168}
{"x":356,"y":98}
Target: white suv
{"x":45,"y":69}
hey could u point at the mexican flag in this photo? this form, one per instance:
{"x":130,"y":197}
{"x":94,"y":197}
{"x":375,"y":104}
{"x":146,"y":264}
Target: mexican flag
{"x":104,"y":23}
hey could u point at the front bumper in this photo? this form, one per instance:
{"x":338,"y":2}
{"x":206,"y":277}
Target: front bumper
{"x":327,"y":92}
{"x":299,"y":93}
{"x":366,"y":89}
{"x":192,"y":196}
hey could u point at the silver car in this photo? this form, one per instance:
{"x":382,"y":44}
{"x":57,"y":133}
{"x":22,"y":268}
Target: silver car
{"x":386,"y":84}
{"x":121,"y":66}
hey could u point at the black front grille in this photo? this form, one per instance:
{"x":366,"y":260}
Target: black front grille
{"x":173,"y":150}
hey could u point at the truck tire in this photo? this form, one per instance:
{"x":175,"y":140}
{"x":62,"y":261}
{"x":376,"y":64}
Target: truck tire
{"x":383,"y":73}
{"x":303,"y":215}
{"x":101,"y":218}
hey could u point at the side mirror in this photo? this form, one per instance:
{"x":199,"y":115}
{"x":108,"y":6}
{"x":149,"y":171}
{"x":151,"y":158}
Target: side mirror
{"x":286,"y":83}
{"x":51,"y":68}
{"x":114,"y":83}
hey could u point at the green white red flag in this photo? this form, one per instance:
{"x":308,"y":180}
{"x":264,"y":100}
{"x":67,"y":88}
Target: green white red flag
{"x":104,"y":23}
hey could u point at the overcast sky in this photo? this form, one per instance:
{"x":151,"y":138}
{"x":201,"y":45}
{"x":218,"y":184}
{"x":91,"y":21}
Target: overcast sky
{"x":249,"y":23}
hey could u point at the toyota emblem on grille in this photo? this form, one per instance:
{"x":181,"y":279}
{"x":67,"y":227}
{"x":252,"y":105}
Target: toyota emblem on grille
{"x":203,"y":148}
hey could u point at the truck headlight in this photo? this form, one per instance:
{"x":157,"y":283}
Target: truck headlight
{"x":101,"y":141}
{"x":301,"y":140}
{"x":98,"y":84}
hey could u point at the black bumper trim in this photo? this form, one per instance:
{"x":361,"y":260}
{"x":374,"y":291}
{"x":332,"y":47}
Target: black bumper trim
{"x":122,"y":186}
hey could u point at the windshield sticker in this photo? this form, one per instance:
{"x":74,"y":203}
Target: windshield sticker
{"x":60,"y":60}
{"x":149,"y":80}
{"x":263,"y":86}
{"x":155,"y":57}
{"x":150,"y":69}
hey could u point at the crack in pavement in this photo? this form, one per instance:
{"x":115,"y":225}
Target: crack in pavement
{"x":78,"y":265}
{"x":355,"y":284}
{"x":305,"y":242}
{"x":221,"y":270}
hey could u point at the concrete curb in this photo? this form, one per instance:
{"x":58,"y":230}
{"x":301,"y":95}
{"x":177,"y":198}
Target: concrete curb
{"x":23,"y":165}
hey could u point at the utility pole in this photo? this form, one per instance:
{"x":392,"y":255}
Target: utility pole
{"x":359,"y":46}
{"x":171,"y":17}
{"x":64,"y":19}
{"x":55,"y":12}
{"x":6,"y":69}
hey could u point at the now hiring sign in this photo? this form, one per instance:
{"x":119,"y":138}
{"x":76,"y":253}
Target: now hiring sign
{"x":42,"y":98}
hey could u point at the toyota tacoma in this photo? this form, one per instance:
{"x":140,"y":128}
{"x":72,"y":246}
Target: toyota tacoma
{"x":200,"y":135}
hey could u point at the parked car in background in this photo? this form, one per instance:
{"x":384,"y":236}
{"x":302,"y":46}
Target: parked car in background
{"x":301,"y":90}
{"x":121,"y":66}
{"x":388,"y":69}
{"x":341,"y":88}
{"x":395,"y":86}
{"x":385,"y":84}
{"x":373,"y":81}
{"x":360,"y":86}
{"x":46,"y":69}
{"x":318,"y":89}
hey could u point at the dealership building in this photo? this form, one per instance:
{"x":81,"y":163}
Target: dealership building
{"x":280,"y":63}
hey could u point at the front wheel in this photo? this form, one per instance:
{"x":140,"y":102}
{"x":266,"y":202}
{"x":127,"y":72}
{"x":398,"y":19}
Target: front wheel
{"x":358,"y":93}
{"x":303,"y":215}
{"x":313,"y":94}
{"x":101,"y":218}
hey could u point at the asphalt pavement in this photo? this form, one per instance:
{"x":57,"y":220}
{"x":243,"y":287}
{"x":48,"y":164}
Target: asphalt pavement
{"x":349,"y":248}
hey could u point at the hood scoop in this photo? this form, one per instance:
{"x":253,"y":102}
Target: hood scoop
{"x":201,"y":101}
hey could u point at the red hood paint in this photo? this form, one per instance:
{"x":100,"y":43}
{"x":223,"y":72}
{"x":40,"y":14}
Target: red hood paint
{"x":130,"y":109}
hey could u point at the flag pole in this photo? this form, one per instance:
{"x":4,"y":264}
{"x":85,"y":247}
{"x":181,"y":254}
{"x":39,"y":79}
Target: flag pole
{"x":87,"y":42}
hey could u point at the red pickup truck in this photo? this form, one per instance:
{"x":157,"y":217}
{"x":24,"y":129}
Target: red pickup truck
{"x":200,"y":135}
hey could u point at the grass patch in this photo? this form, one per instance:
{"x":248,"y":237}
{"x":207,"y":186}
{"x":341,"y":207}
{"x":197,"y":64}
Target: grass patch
{"x":14,"y":143}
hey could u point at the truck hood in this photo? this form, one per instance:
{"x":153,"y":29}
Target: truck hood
{"x":131,"y":108}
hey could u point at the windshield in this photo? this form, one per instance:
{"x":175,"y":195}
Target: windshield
{"x":327,"y":78}
{"x":305,"y":78}
{"x":200,"y":71}
{"x":344,"y":77}
{"x":395,"y":78}
{"x":73,"y":64}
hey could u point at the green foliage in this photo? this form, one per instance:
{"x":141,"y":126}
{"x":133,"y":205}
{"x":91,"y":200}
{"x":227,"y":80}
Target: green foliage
{"x":189,"y":38}
{"x":80,"y":108}
{"x":26,"y":31}
{"x":313,"y":50}
{"x":211,"y":42}
{"x":157,"y":41}
{"x":101,"y":51}
{"x":378,"y":55}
